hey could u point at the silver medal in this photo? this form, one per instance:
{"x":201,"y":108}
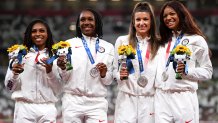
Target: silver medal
{"x":142,"y":81}
{"x":94,"y":72}
{"x":164,"y":76}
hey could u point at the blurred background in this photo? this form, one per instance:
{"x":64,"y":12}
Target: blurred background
{"x":61,"y":16}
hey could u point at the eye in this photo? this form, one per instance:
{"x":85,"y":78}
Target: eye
{"x":145,"y":19}
{"x":172,"y":13}
{"x":91,"y":19}
{"x":137,"y":19}
{"x":42,"y":30}
{"x":82,"y":19}
{"x":33,"y":31}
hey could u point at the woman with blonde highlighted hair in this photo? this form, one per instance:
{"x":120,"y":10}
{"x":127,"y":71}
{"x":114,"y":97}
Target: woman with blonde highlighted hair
{"x":135,"y":100}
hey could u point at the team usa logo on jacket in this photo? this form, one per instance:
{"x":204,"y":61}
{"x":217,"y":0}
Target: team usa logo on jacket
{"x":185,"y":42}
{"x":101,"y":49}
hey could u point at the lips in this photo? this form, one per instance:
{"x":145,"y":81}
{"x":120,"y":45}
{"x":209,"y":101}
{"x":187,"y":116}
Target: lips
{"x":87,"y":28}
{"x":170,"y":24}
{"x":38,"y":39}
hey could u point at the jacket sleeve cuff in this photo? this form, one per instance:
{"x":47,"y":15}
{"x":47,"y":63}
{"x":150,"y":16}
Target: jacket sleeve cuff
{"x":15,"y":77}
{"x":103,"y":80}
{"x":62,"y":72}
{"x":50,"y":75}
{"x":188,"y":75}
{"x":117,"y":78}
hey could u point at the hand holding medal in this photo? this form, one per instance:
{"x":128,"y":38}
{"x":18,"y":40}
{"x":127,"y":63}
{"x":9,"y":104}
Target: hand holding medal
{"x":100,"y":68}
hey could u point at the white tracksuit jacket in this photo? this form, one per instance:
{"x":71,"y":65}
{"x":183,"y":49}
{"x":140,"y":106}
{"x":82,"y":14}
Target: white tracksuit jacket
{"x":199,"y":66}
{"x":176,"y":100}
{"x":34,"y":84}
{"x":135,"y":104}
{"x":78,"y":81}
{"x":131,"y":86}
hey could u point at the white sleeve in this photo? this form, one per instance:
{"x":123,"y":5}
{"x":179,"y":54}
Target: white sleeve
{"x":63,"y":74}
{"x":12,"y":82}
{"x":108,"y":79}
{"x":203,"y":70}
{"x":54,"y":80}
{"x":116,"y":73}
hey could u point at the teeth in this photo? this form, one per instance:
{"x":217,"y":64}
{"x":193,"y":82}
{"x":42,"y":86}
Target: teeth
{"x":38,"y":39}
{"x":171,"y":23}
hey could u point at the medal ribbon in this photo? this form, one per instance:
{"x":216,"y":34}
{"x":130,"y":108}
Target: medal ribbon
{"x":20,"y":55}
{"x":170,"y":58}
{"x":88,"y":50}
{"x":141,"y":68}
{"x":168,"y":48}
{"x":36,"y":50}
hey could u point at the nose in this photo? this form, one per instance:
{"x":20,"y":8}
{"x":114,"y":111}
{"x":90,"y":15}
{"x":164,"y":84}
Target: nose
{"x":37,"y":33}
{"x":142,"y":22}
{"x":168,"y":17}
{"x":86,"y":22}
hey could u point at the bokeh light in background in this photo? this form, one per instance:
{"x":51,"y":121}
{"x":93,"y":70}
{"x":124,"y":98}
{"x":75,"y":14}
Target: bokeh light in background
{"x":61,"y":16}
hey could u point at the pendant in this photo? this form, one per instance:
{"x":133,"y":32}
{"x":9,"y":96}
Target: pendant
{"x":165,"y":76}
{"x":94,"y":72}
{"x":142,"y":81}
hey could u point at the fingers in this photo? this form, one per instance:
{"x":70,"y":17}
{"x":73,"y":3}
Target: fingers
{"x":61,"y":62}
{"x":102,"y":69}
{"x":124,"y":73}
{"x":17,"y":68}
{"x":181,"y":68}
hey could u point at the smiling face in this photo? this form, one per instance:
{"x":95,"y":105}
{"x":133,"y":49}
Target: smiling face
{"x":87,"y":23}
{"x":142,"y":23}
{"x":171,"y":18}
{"x":39,"y":35}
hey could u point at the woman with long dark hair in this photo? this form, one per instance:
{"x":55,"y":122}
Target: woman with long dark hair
{"x":135,"y":100}
{"x":177,"y":81}
{"x":34,"y":84}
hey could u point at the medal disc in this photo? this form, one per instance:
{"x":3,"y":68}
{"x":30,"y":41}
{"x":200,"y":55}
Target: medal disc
{"x":94,"y":72}
{"x":142,"y":81}
{"x":164,"y":76}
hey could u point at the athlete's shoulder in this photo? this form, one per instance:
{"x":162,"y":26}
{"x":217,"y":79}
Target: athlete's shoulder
{"x":73,"y":39}
{"x":106,"y":43}
{"x":196,"y":40}
{"x":122,"y":40}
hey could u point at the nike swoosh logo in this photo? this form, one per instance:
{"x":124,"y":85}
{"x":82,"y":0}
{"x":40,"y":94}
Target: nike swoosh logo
{"x":101,"y":121}
{"x":151,"y":113}
{"x":26,"y":57}
{"x":188,"y":121}
{"x":78,"y":46}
